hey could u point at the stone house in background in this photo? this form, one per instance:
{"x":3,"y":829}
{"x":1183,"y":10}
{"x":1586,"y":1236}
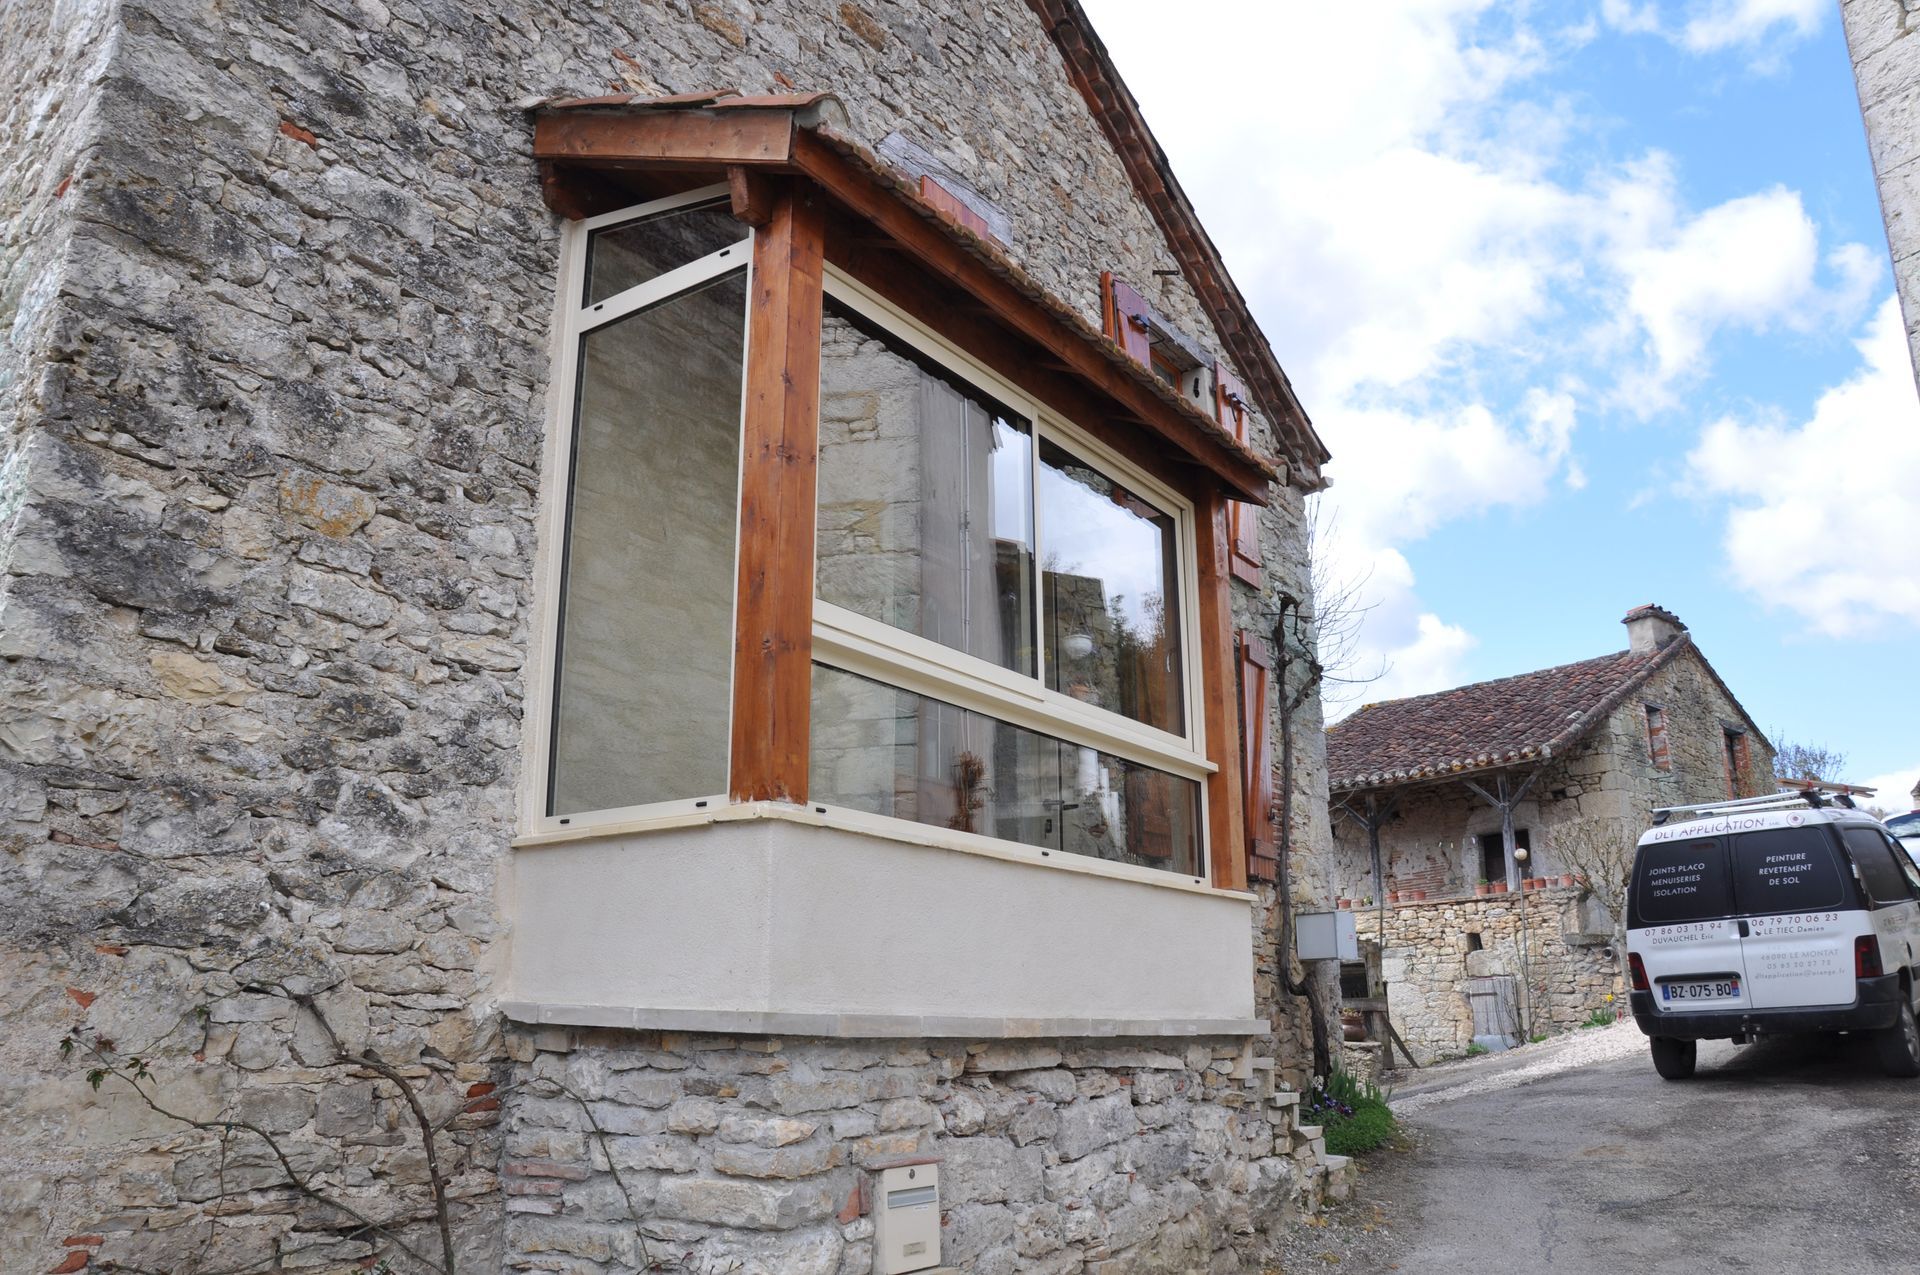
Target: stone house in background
{"x":694,"y":582}
{"x":1432,"y":795}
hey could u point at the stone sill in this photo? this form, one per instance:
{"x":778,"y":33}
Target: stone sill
{"x":871,"y":1026}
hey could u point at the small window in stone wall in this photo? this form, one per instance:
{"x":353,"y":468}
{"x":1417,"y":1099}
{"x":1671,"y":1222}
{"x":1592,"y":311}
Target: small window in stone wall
{"x":1657,"y":748}
{"x":1493,"y":853}
{"x":1474,"y":943}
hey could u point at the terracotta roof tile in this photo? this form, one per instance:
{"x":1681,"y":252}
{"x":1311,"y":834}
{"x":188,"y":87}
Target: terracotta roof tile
{"x":1509,"y":721}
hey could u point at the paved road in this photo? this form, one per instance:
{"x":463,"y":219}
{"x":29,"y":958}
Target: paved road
{"x":1786,"y":1156}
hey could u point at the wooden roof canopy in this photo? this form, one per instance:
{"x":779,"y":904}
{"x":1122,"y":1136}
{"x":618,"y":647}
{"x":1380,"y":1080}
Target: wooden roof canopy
{"x":599,"y":154}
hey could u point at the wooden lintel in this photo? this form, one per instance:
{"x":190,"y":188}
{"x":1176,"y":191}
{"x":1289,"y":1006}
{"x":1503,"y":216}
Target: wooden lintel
{"x":752,"y":194}
{"x":665,"y":139}
{"x":941,"y":255}
{"x":773,"y":635}
{"x":1220,"y":700}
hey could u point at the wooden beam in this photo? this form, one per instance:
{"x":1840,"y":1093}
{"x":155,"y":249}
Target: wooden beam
{"x":665,"y":139}
{"x":941,"y":255}
{"x":773,"y":637}
{"x":752,"y":195}
{"x":1220,"y":701}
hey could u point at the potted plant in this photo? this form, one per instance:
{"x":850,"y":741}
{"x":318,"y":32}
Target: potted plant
{"x":1343,"y":903}
{"x":1567,"y":880}
{"x":1482,"y":890}
{"x":1499,"y":887}
{"x":1419,"y":896}
{"x":1393,"y":896}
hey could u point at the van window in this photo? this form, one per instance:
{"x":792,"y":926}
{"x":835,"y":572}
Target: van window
{"x":1786,"y":870}
{"x":1878,"y":871}
{"x":1684,"y":881}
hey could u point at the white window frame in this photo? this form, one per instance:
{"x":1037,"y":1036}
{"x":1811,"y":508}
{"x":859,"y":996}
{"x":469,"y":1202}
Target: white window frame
{"x":573,"y":320}
{"x":857,"y":644}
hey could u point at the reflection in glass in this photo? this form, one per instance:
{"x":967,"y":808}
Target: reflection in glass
{"x":1109,"y":582}
{"x":925,"y":518}
{"x":892,"y":752}
{"x":646,"y":637}
{"x":629,"y":254}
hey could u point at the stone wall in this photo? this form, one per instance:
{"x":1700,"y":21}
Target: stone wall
{"x":279,"y":290}
{"x":1428,"y":955}
{"x":749,"y":1155}
{"x":1886,"y":71}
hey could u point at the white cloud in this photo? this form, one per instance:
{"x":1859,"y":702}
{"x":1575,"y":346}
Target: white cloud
{"x":1729,"y":23}
{"x":1825,"y":515}
{"x":1894,"y":790}
{"x":1752,"y":262}
{"x":1759,"y":28}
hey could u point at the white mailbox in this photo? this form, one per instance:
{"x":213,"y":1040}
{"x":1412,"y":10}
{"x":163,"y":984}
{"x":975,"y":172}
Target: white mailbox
{"x":906,"y":1219}
{"x":1325,"y":936}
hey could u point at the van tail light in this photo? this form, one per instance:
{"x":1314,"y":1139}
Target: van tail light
{"x":1866,"y":957}
{"x":1638,"y":971}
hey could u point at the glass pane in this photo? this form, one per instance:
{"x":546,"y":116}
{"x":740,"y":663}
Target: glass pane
{"x":891,"y":752}
{"x":925,"y":518}
{"x":623,"y":256}
{"x":1113,"y":604}
{"x":1681,"y":881}
{"x":646,"y":642}
{"x":1786,"y":870}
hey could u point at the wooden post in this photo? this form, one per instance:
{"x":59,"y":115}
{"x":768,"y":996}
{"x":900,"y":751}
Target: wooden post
{"x":773,"y":634}
{"x":1226,"y":828}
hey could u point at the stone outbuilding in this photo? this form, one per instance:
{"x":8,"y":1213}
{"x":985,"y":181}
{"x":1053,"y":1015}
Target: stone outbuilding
{"x":1456,"y":813}
{"x":691,"y":586}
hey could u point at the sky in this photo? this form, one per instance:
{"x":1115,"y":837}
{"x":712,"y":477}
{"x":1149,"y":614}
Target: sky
{"x":1591,"y":301}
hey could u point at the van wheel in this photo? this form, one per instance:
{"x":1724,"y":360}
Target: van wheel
{"x":1674,"y":1059}
{"x":1899,"y":1044}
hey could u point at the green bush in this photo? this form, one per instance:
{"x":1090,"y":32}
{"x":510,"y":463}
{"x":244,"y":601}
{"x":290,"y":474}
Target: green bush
{"x":1370,"y":1126}
{"x":1352,"y":1113}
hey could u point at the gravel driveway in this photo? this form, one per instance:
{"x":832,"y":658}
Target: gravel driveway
{"x":1573,"y":1157}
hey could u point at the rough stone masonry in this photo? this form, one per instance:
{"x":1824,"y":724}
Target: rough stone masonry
{"x":277,"y":288}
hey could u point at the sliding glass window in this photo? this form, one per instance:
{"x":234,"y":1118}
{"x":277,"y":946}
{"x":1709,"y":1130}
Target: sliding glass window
{"x":999,"y":615}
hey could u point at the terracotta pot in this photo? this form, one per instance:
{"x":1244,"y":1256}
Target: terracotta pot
{"x":1343,"y":903}
{"x":1393,"y":896}
{"x":1482,"y":891}
{"x":1566,"y":880}
{"x":1499,"y":887}
{"x":1419,"y":896}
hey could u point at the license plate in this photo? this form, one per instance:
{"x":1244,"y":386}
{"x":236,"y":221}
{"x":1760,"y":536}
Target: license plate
{"x":1701,"y":989}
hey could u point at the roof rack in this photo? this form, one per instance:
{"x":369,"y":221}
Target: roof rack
{"x":1791,"y":800}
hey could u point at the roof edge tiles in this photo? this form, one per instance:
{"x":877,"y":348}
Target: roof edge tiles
{"x":1541,"y":742}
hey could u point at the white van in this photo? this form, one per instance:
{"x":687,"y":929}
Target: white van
{"x":1768,"y":916}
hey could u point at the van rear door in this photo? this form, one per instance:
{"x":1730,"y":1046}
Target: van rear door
{"x":1802,"y":915}
{"x":1682,"y":926}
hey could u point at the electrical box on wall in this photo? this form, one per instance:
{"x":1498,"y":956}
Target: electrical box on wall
{"x":1325,"y":936}
{"x":906,"y":1219}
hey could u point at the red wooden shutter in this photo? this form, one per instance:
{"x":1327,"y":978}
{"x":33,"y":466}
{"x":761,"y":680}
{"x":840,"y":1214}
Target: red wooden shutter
{"x":1230,"y":409}
{"x":1126,"y":318}
{"x":1256,"y":759}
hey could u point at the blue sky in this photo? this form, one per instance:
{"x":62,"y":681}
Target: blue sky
{"x":1591,"y":301}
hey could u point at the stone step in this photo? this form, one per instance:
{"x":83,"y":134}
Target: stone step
{"x":1285,"y":1098}
{"x":1309,"y":1130}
